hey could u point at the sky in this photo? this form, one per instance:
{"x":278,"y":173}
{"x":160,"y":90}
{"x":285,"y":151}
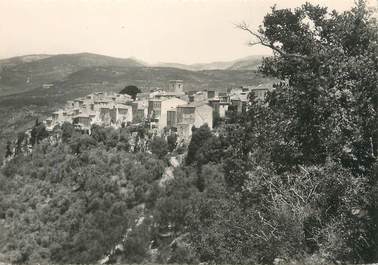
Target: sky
{"x":180,"y":31}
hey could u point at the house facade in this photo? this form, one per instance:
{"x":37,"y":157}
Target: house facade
{"x":158,"y":111}
{"x":193,"y":114}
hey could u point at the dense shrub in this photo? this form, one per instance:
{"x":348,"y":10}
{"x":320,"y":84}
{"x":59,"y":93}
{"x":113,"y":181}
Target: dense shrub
{"x":71,"y":202}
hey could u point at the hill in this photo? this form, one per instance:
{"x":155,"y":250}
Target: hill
{"x":75,"y":75}
{"x":25,"y":73}
{"x":22,"y":59}
{"x":111,"y":78}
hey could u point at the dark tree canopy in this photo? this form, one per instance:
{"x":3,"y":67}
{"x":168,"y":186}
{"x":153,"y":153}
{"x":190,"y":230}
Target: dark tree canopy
{"x":131,"y":90}
{"x":327,"y":103}
{"x":199,"y":137}
{"x":172,"y":141}
{"x":159,"y":146}
{"x":9,"y":151}
{"x":38,"y":133}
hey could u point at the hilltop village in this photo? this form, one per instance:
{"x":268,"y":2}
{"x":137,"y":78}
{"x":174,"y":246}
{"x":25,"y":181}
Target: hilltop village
{"x":232,"y":165}
{"x":160,"y":109}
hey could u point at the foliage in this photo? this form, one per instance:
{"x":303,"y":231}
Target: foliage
{"x":297,"y":167}
{"x":172,"y":141}
{"x":38,"y":133}
{"x":328,"y":104}
{"x":71,"y":202}
{"x":159,"y":146}
{"x":9,"y":151}
{"x":131,"y":91}
{"x":68,"y":131}
{"x":135,"y":247}
{"x":199,"y":136}
{"x":217,"y":120}
{"x":172,"y":208}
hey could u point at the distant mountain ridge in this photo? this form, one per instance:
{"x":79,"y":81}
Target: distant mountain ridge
{"x":23,"y":59}
{"x":247,"y":63}
{"x":71,"y":62}
{"x":25,"y":73}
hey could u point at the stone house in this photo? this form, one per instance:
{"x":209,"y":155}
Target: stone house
{"x":139,"y":110}
{"x":158,"y":111}
{"x":260,"y":92}
{"x":115,"y":115}
{"x":198,"y":96}
{"x":124,"y":114}
{"x":83,"y":120}
{"x":193,"y":114}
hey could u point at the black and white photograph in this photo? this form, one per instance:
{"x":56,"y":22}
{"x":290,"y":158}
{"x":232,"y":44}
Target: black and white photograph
{"x":188,"y":132}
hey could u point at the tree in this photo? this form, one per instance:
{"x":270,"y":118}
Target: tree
{"x":173,"y":207}
{"x":81,"y":143}
{"x":68,"y":131}
{"x":212,"y":150}
{"x":38,"y":133}
{"x":9,"y":151}
{"x":98,"y":133}
{"x":124,"y":140}
{"x":136,"y":245}
{"x":217,"y":120}
{"x":21,"y":143}
{"x":91,"y":194}
{"x":327,"y":103}
{"x":159,"y":146}
{"x":131,"y":90}
{"x":323,"y":109}
{"x":172,"y":141}
{"x":199,"y":137}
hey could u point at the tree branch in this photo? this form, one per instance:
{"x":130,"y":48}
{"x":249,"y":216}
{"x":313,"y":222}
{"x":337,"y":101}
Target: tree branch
{"x":261,"y":40}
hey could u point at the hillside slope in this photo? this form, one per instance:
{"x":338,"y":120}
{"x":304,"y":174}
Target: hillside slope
{"x":22,"y":59}
{"x":113,"y":78}
{"x":20,"y":75}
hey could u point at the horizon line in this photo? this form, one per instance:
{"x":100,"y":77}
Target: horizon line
{"x":135,"y":58}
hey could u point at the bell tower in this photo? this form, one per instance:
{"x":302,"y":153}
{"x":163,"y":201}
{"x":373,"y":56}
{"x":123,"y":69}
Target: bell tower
{"x":176,"y":86}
